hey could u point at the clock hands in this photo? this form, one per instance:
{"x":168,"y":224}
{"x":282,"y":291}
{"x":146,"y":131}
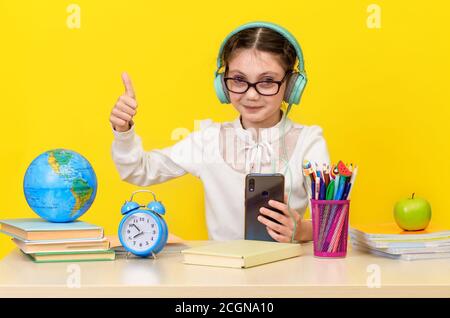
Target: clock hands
{"x":140,"y":232}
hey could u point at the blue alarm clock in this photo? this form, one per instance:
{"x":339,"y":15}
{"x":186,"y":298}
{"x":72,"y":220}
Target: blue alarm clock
{"x":143,"y":231}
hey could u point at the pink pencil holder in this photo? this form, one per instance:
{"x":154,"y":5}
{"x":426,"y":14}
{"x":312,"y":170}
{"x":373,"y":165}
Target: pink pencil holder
{"x":330,"y":227}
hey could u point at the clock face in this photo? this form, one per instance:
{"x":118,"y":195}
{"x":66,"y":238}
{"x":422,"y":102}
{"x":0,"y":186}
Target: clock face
{"x":140,"y":232}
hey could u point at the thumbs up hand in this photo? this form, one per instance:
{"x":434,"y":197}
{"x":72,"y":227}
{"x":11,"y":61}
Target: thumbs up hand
{"x":125,"y":108}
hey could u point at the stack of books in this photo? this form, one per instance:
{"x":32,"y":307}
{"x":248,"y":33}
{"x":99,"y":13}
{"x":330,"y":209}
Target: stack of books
{"x":45,"y":241}
{"x":389,"y":240}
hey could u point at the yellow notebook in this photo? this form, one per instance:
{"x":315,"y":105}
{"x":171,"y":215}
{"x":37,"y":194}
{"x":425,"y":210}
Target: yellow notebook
{"x":240,"y":253}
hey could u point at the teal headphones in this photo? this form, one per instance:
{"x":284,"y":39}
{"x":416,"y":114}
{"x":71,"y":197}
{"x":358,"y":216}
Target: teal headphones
{"x":296,"y":82}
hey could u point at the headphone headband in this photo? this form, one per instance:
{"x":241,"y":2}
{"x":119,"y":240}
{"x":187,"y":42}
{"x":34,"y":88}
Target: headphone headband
{"x":297,"y":80}
{"x":275,"y":27}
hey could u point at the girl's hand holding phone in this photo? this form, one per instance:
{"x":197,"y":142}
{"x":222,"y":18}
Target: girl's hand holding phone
{"x":281,"y":232}
{"x":125,"y":108}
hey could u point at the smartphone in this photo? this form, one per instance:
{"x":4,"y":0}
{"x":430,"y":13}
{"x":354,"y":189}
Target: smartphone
{"x":259,"y":189}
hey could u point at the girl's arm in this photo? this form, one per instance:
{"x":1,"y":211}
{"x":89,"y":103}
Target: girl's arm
{"x":144,"y":168}
{"x":139,"y":167}
{"x":315,"y":151}
{"x":305,"y":233}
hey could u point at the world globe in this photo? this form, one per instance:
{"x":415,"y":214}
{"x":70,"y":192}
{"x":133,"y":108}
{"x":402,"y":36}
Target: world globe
{"x":60,"y":185}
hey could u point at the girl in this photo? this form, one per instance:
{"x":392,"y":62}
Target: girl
{"x":259,"y":68}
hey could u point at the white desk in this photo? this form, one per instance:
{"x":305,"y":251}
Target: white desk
{"x":167,"y":276}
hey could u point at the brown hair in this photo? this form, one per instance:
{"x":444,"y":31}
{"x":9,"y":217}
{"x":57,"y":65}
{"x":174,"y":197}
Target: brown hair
{"x":262,"y":39}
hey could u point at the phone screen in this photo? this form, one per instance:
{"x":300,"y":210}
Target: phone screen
{"x":259,"y":189}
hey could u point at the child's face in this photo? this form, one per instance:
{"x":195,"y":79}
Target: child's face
{"x":253,"y":65}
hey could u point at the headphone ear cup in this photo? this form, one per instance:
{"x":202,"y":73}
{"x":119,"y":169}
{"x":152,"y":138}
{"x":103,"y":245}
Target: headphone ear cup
{"x":294,"y":88}
{"x":224,"y":88}
{"x":290,"y":86}
{"x":221,"y":91}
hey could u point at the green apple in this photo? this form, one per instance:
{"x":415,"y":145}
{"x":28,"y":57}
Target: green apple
{"x":412,"y":214}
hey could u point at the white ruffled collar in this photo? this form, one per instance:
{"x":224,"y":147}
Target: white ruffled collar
{"x":268,"y":135}
{"x":260,"y":151}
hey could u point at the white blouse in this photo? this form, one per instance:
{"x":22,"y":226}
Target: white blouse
{"x":221,"y":154}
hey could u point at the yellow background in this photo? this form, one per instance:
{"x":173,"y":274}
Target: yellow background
{"x":381,"y":95}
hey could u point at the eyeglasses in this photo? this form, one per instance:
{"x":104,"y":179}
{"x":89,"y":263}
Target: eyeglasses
{"x":265,"y":88}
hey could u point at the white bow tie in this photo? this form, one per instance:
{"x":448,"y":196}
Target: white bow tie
{"x":260,"y":153}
